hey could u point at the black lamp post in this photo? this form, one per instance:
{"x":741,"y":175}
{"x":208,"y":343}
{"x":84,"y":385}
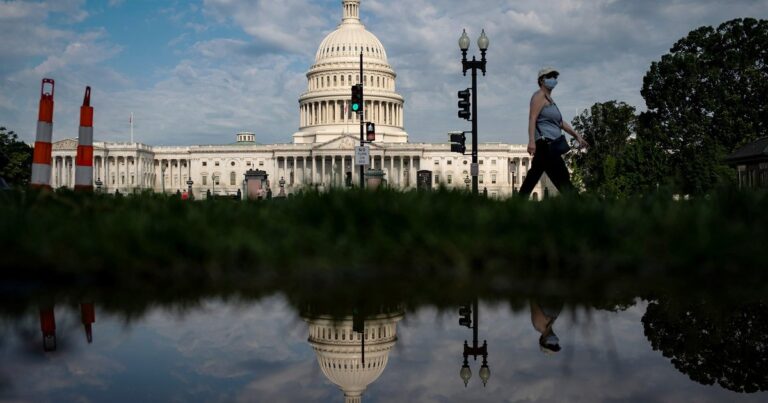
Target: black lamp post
{"x":474,"y":350}
{"x":474,"y":65}
{"x":189,"y":189}
{"x":282,"y":187}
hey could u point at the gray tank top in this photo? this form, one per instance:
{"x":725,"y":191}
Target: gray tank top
{"x":549,"y":122}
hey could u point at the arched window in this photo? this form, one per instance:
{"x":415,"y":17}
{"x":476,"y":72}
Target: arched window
{"x":232,"y":178}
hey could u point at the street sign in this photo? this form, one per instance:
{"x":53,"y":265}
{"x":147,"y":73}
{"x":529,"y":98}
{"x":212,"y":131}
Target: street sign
{"x":362,"y":155}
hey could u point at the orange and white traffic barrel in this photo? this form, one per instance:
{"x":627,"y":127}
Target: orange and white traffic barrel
{"x":48,"y":327}
{"x":88,"y":316}
{"x":41,"y":160}
{"x":84,"y":159}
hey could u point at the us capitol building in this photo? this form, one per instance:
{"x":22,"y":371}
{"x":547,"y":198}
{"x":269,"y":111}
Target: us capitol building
{"x":322,"y":152}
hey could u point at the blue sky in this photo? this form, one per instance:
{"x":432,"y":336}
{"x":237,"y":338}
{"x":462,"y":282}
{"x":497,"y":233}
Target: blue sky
{"x":196,"y":72}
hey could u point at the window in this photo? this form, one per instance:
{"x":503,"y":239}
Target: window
{"x":481,"y":178}
{"x":437,"y":162}
{"x":216,"y":163}
{"x":481,"y":162}
{"x":450,"y":179}
{"x":261,"y":163}
{"x":248,"y":163}
{"x":465,"y":162}
{"x":493,"y":162}
{"x":232,"y":178}
{"x":205,"y":180}
{"x":233,"y":163}
{"x":437,"y":178}
{"x":493,"y":179}
{"x":450,"y":162}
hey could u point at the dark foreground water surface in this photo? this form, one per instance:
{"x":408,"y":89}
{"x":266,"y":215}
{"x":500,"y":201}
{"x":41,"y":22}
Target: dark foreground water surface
{"x":224,"y":351}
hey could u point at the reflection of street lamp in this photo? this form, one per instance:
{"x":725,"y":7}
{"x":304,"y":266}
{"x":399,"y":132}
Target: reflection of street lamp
{"x":99,"y":183}
{"x":465,"y":373}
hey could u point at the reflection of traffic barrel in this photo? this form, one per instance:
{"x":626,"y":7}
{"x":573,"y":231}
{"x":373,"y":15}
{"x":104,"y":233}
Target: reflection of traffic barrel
{"x":88,"y":316}
{"x":48,"y":327}
{"x":84,"y":159}
{"x":41,"y":160}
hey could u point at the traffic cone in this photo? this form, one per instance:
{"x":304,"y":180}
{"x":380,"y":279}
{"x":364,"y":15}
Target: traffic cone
{"x":84,"y":159}
{"x":48,"y":327}
{"x":88,"y":316}
{"x":41,"y":160}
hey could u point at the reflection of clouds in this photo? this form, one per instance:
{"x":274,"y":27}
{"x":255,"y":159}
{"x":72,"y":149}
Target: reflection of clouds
{"x":33,"y":374}
{"x":232,"y":340}
{"x":259,"y":352}
{"x":426,"y":370}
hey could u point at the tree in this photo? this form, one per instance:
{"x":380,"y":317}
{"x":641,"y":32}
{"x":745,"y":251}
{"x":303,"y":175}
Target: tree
{"x":617,"y":163}
{"x":712,"y":342}
{"x":15,"y":159}
{"x":705,"y":98}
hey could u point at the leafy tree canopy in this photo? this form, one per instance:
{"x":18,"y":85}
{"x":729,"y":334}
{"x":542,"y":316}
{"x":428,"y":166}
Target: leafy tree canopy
{"x":15,"y":158}
{"x":617,"y":163}
{"x":705,"y":98}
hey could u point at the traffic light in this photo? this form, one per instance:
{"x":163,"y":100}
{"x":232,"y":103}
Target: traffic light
{"x":357,"y":98}
{"x":458,"y":140}
{"x":465,"y":311}
{"x":370,"y":131}
{"x":465,"y":104}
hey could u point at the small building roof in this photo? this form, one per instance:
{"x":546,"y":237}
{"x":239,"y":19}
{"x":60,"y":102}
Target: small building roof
{"x":756,"y":151}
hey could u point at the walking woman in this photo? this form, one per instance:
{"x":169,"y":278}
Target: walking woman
{"x":546,"y":142}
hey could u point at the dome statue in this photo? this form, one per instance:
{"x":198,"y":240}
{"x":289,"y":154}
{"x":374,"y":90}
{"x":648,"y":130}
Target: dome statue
{"x":324,"y":109}
{"x":353,"y":358}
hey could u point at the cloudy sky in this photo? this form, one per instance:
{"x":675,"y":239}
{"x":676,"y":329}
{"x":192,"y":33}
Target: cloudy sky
{"x":198,"y":71}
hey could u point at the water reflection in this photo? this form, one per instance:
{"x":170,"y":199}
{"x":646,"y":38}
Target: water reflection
{"x":543,"y":317}
{"x":269,"y":350}
{"x":727,"y":345}
{"x":470,"y":317}
{"x":353,"y":350}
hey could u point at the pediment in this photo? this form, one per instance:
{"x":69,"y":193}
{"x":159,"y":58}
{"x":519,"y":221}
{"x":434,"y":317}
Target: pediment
{"x":65,"y":145}
{"x":343,"y":142}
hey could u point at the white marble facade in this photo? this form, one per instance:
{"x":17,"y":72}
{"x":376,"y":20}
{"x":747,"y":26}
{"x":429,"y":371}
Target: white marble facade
{"x":322,"y":151}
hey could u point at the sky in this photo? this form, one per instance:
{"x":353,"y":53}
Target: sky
{"x":199,"y":71}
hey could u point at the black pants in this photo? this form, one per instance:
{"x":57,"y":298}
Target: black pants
{"x":553,"y":165}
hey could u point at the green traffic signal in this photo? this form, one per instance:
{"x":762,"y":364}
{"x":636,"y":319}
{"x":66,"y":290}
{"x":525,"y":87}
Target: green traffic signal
{"x":357,"y":98}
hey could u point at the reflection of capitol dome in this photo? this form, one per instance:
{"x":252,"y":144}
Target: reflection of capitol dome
{"x":339,"y":350}
{"x":324,"y":108}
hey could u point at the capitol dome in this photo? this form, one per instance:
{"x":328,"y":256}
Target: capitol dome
{"x":324,"y":109}
{"x":340,"y":349}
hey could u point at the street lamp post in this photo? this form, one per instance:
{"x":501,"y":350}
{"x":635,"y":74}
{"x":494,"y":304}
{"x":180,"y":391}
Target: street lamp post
{"x":467,"y":181}
{"x":99,"y":183}
{"x":189,"y":189}
{"x":474,"y":65}
{"x":282,"y":187}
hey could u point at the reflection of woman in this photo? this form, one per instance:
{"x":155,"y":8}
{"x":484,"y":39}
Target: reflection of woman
{"x":545,"y":132}
{"x":543,"y":318}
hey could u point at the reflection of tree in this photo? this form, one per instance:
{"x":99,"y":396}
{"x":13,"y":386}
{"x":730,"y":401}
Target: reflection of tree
{"x":727,"y":346}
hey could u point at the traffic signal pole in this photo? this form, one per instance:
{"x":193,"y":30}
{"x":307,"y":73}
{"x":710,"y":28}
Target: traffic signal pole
{"x":361,"y":115}
{"x":475,"y":168}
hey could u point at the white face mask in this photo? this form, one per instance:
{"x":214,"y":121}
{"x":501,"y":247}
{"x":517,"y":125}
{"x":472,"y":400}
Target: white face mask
{"x":550,"y":83}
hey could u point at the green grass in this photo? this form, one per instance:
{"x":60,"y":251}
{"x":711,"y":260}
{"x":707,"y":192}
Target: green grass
{"x":349,"y":247}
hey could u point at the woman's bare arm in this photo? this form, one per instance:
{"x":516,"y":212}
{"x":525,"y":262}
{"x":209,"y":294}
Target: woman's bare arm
{"x":537,"y":104}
